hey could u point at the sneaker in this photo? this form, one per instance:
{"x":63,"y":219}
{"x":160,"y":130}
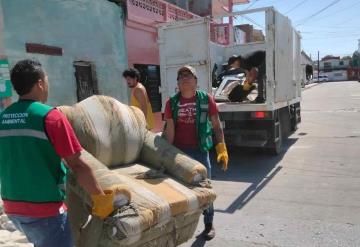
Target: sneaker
{"x":209,"y":231}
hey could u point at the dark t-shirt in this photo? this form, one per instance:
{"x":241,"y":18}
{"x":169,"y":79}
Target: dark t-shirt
{"x":253,"y":59}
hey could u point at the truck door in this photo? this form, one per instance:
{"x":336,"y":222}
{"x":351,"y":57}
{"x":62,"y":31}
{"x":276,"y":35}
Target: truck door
{"x":180,"y":43}
{"x":285,"y":59}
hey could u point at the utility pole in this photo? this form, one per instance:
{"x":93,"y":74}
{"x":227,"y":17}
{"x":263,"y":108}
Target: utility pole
{"x":318,"y":65}
{"x":359,"y":67}
{"x":231,"y":22}
{"x":230,"y":8}
{"x":358,"y":61}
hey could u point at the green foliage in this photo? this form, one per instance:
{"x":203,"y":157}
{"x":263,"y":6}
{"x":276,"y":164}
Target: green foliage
{"x":356,"y":59}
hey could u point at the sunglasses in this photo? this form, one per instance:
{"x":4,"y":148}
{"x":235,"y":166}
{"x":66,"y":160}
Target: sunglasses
{"x":185,"y":76}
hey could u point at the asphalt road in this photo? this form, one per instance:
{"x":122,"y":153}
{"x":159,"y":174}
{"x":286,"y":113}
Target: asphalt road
{"x":307,"y":196}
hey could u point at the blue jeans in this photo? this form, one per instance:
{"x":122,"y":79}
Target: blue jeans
{"x":203,"y":158}
{"x":45,"y":232}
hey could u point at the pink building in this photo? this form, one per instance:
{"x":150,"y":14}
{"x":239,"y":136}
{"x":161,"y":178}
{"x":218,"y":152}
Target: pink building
{"x":141,"y":35}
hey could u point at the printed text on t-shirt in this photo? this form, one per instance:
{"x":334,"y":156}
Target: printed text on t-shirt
{"x":187,"y":113}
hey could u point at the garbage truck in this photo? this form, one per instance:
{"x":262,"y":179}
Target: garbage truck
{"x":249,"y":122}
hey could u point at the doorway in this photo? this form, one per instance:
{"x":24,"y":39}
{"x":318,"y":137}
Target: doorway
{"x":86,"y":83}
{"x":150,"y":78}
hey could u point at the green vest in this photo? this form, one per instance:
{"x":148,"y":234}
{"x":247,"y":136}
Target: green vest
{"x":203,"y":123}
{"x":30,"y":169}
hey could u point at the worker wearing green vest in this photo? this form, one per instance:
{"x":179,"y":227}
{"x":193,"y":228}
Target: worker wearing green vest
{"x":34,"y":139}
{"x":191,"y":117}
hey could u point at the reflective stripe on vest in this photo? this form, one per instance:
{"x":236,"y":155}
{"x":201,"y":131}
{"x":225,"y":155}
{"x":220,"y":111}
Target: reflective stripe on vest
{"x":23,"y":132}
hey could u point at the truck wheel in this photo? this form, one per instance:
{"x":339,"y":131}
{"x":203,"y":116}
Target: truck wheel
{"x":295,"y":116}
{"x":277,"y":145}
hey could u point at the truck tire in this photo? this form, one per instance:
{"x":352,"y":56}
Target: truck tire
{"x":295,"y":116}
{"x":276,"y":147}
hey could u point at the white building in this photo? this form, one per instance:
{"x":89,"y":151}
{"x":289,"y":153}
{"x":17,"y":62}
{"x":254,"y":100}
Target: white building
{"x":306,"y":66}
{"x":335,"y":68}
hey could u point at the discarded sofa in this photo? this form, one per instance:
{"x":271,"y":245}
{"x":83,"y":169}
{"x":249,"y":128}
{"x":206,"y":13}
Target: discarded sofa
{"x":168,"y":190}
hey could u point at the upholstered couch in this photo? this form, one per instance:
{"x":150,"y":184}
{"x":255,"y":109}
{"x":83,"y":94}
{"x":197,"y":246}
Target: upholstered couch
{"x":168,"y":190}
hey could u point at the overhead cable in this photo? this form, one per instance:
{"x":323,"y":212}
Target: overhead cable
{"x":338,"y":11}
{"x":297,"y":5}
{"x":318,"y":12}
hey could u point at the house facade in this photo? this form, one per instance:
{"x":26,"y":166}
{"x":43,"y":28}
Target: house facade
{"x":80,"y":43}
{"x":306,"y":68}
{"x":334,"y":68}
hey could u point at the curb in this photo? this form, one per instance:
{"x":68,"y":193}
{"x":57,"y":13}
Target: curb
{"x":310,"y":86}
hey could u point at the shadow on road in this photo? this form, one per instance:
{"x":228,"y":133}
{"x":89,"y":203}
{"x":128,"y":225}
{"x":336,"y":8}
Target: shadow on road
{"x":250,"y":166}
{"x":199,"y":242}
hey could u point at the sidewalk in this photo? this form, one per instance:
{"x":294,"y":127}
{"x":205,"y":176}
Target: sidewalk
{"x":310,"y":86}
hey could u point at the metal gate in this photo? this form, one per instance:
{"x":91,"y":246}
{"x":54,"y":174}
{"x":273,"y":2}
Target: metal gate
{"x":86,"y":83}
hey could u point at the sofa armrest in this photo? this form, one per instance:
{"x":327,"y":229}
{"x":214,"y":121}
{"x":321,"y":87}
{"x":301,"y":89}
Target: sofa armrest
{"x":159,"y":154}
{"x":106,"y":178}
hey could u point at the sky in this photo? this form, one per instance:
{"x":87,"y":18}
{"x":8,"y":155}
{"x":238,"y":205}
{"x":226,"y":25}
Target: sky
{"x":331,"y":27}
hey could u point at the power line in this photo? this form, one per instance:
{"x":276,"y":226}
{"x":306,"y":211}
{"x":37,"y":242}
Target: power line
{"x":323,"y":32}
{"x":251,"y":20}
{"x":332,"y":27}
{"x":335,"y":37}
{"x":339,"y":11}
{"x":297,"y":5}
{"x":255,"y":1}
{"x":346,"y":21}
{"x":318,"y":12}
{"x":254,"y":22}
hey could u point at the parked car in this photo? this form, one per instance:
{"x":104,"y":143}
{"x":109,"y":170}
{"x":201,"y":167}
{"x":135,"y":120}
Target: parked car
{"x":322,"y":78}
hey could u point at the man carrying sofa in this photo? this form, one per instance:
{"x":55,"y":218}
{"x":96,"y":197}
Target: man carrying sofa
{"x":190,"y":116}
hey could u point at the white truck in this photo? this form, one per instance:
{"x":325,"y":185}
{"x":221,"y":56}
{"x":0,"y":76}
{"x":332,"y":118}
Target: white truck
{"x":246,"y":123}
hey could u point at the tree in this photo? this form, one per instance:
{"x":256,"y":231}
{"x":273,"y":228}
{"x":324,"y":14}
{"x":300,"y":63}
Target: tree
{"x":356,"y":60}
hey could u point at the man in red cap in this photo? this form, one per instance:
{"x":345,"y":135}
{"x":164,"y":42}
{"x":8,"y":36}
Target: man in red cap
{"x":191,"y":118}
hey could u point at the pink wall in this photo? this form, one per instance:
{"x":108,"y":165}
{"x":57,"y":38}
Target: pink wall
{"x":142,"y":46}
{"x":141,"y":32}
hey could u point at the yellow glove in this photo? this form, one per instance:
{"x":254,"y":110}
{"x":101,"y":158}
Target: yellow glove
{"x":247,"y":86}
{"x":103,"y":205}
{"x":222,"y":155}
{"x":115,"y":197}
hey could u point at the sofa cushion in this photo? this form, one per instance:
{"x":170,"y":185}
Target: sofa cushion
{"x":158,"y":199}
{"x":111,"y":131}
{"x":155,"y":201}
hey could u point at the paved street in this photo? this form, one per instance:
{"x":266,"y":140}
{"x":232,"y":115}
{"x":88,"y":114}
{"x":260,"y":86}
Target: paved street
{"x":309,"y":195}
